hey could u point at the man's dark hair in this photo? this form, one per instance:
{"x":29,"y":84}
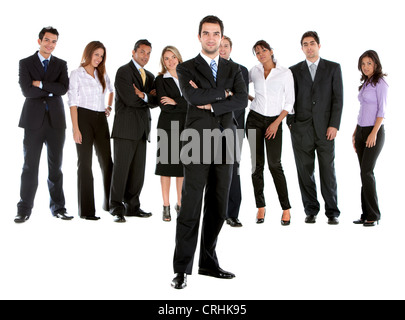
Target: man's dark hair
{"x":211,"y":19}
{"x":47,"y":29}
{"x":142,"y":42}
{"x":312,"y":34}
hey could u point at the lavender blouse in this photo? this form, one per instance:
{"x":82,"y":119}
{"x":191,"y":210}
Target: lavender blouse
{"x":373,"y":103}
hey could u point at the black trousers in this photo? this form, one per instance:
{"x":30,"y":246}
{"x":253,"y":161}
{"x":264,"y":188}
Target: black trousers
{"x":128,"y":175}
{"x":94,"y":129}
{"x":305,"y":144}
{"x":258,"y":124}
{"x":367,"y":160}
{"x":215,"y":180}
{"x":54,"y":139}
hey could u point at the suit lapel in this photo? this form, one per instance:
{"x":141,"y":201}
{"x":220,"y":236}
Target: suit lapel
{"x":135,"y":71}
{"x":319,"y":71}
{"x":223,"y":70}
{"x":305,"y":72}
{"x":205,"y":70}
{"x":38,"y":65}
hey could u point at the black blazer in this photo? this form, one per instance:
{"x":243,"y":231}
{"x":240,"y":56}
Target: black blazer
{"x":166,"y":87}
{"x":55,"y":81}
{"x":210,"y":92}
{"x":318,"y":102}
{"x":240,"y":114}
{"x":132,"y":120}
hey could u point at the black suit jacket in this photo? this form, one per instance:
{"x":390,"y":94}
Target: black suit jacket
{"x":55,"y":81}
{"x":240,"y":114}
{"x":132,"y":119}
{"x":318,"y":102}
{"x":229,"y":76}
{"x":166,"y":87}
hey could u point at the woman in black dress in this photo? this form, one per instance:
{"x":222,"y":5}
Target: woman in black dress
{"x":170,"y":125}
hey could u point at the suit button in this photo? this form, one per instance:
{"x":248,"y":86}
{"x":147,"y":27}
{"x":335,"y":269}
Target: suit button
{"x":313,"y":102}
{"x":44,"y":102}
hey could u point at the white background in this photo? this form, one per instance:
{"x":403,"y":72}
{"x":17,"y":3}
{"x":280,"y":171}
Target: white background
{"x":47,"y":258}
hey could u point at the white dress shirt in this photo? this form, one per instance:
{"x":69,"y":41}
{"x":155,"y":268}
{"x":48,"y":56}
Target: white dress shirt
{"x":87,"y":92}
{"x":273,"y":94}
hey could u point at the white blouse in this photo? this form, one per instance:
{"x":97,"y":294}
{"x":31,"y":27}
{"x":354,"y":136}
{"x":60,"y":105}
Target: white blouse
{"x":273,"y":94}
{"x":86,"y":91}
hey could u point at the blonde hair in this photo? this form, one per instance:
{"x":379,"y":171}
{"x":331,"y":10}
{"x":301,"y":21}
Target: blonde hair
{"x":175,"y":51}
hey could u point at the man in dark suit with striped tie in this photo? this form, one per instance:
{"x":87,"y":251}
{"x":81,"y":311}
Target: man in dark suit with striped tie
{"x":134,"y":87}
{"x":214,"y":88}
{"x":43,"y":79}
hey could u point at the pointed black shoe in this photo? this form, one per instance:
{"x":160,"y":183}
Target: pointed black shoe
{"x":179,"y":281}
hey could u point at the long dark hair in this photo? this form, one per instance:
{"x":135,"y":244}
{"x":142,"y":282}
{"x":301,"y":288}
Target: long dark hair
{"x":87,"y":56}
{"x":378,"y":73}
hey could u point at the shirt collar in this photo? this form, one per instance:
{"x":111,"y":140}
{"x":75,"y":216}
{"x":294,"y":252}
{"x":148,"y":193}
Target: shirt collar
{"x":208,"y":59}
{"x":316,"y":62}
{"x":42,"y":59}
{"x":136,"y":64}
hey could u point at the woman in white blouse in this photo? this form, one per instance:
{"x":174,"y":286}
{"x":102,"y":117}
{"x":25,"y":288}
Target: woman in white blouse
{"x":87,"y":89}
{"x":274,"y":99}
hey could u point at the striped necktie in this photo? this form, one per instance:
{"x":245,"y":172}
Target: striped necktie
{"x":214,"y":69}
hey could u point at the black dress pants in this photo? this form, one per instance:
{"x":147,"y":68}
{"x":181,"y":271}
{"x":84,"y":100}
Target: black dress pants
{"x":94,"y":129}
{"x":367,"y":160}
{"x":128,"y":175}
{"x":215,"y":180}
{"x":305,"y":144}
{"x":258,"y":124}
{"x":54,"y":139}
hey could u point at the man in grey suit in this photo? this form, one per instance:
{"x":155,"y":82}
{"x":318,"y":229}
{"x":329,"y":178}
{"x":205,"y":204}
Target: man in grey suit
{"x":314,"y":126}
{"x":134,"y":88}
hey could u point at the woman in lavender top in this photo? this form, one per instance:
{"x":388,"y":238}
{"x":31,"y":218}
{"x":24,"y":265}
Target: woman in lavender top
{"x":369,"y":136}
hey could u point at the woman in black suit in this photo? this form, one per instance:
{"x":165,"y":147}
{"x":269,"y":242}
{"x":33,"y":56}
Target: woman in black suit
{"x":170,"y":125}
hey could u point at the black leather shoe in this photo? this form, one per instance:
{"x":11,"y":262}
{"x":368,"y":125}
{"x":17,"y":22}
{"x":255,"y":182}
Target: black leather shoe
{"x":261,"y":220}
{"x":360,"y":221}
{"x":94,"y":218}
{"x":179,"y":281}
{"x":21,"y":218}
{"x":310,"y":218}
{"x":333,"y":220}
{"x":140,"y":213}
{"x":62,"y":216}
{"x":119,"y":218}
{"x":370,"y":223}
{"x":216,"y":273}
{"x":234,"y":222}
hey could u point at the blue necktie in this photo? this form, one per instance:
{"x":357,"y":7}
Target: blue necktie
{"x":46,"y":62}
{"x":214,"y":69}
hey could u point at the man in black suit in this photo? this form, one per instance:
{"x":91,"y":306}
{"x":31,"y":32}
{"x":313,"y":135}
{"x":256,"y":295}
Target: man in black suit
{"x":213,"y":88}
{"x":235,"y":192}
{"x":43,"y":79}
{"x":318,"y":111}
{"x":134,"y":87}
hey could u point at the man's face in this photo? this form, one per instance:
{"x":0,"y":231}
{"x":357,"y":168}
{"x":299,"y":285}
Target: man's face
{"x":47,"y":44}
{"x":225,"y":49}
{"x":310,"y":48}
{"x":142,"y":54}
{"x":210,"y":38}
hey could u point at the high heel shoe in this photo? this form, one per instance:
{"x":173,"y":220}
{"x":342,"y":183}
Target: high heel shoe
{"x":260,"y":220}
{"x":370,"y":223}
{"x":285,"y":222}
{"x":360,"y":221}
{"x":177,"y":208}
{"x":166,"y":213}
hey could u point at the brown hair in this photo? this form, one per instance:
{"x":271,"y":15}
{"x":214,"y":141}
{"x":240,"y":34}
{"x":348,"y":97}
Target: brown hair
{"x":175,"y":51}
{"x":378,"y":73}
{"x":88,"y":55}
